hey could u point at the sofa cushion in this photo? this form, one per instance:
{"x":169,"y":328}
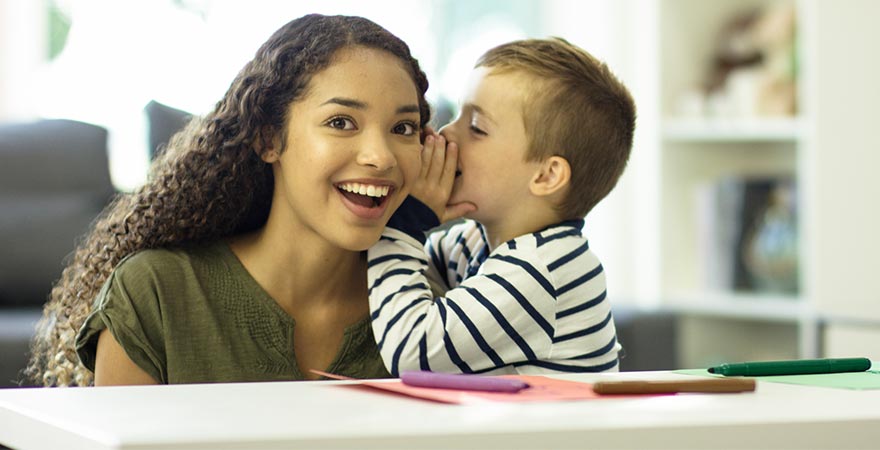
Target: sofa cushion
{"x":54,"y":181}
{"x":163,"y":122}
{"x":54,"y":156}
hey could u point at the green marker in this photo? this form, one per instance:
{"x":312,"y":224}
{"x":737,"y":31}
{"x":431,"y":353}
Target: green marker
{"x":793,"y":367}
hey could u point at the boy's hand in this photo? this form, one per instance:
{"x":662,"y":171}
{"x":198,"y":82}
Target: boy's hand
{"x":434,"y":184}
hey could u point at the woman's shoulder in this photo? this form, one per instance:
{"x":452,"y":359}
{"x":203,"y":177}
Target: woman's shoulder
{"x":169,"y":263}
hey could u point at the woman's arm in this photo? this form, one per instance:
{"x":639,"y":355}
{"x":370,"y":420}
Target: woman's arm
{"x":113,"y":367}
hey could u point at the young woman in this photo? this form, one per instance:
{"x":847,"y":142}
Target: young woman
{"x":242,"y":257}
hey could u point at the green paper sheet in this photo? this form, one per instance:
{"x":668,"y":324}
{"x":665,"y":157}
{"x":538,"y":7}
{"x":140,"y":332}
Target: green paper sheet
{"x":847,"y":380}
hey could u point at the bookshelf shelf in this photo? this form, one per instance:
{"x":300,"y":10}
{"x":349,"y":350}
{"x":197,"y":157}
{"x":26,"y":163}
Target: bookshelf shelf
{"x":759,"y":307}
{"x":756,"y":129}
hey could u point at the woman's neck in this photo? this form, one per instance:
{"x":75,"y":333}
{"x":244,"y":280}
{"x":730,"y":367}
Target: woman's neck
{"x":300,"y":272}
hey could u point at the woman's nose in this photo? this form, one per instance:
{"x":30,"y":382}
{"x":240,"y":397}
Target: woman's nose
{"x":376,"y":153}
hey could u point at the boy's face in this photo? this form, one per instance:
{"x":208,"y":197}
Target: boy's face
{"x":492,"y":141}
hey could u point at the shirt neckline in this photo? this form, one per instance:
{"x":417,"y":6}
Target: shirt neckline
{"x":352,"y":335}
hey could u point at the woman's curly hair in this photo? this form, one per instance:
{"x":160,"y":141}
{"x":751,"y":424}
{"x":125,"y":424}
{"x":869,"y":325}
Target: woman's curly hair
{"x":210,"y":182}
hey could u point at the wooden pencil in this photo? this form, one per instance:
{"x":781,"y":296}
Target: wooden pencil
{"x":707,"y":385}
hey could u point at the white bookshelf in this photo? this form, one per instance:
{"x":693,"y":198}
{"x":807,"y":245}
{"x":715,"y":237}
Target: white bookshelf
{"x":830,"y":147}
{"x":698,"y":149}
{"x":703,"y":148}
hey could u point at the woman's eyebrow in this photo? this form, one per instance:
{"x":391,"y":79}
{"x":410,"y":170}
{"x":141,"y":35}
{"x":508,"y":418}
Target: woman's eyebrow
{"x":348,"y":102}
{"x":408,"y":109}
{"x":357,"y":104}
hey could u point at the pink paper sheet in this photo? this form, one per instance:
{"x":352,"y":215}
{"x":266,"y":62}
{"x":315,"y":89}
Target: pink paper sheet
{"x":542,"y":389}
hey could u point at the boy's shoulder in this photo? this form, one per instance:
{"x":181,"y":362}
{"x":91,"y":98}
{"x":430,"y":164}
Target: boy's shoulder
{"x":561,"y":249}
{"x":468,"y":230}
{"x":567,"y":228}
{"x":559,"y":233}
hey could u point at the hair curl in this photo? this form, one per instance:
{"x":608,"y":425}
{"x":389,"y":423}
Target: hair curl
{"x":210,"y":182}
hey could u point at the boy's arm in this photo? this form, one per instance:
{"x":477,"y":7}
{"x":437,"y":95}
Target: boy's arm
{"x":427,"y":206}
{"x":486,"y":322}
{"x":501,"y":316}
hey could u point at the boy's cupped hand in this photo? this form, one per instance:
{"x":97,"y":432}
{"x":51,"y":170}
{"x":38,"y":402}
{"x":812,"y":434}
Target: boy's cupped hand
{"x":434,"y":185}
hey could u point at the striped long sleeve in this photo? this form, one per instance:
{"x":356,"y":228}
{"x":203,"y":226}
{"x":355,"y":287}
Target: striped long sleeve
{"x":535,"y":304}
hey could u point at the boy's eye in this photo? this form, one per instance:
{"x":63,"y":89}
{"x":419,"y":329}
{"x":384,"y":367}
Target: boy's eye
{"x":405,"y":128}
{"x":477,"y":131}
{"x":341,"y":123}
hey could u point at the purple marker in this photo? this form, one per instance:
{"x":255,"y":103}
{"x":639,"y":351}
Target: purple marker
{"x":466,"y":382}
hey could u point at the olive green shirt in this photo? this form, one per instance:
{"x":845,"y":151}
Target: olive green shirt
{"x":196,"y":315}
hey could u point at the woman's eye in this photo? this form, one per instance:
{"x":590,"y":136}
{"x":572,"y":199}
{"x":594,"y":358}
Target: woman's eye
{"x":341,"y":123}
{"x":405,"y":128}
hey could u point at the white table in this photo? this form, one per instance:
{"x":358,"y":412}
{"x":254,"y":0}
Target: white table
{"x":327,"y":414}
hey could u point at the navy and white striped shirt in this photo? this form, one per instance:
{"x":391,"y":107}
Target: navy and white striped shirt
{"x":535,"y":304}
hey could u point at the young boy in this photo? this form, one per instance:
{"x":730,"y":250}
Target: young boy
{"x":544,"y":133}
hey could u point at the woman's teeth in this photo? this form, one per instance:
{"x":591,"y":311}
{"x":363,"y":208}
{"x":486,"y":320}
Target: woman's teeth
{"x":365,"y":189}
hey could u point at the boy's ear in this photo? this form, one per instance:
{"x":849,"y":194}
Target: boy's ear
{"x":552,"y":176}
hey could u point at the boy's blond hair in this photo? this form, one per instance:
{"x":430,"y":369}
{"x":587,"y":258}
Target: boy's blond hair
{"x":577,"y":109}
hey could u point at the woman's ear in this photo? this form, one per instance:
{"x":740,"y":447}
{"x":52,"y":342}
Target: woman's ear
{"x":269,"y":156}
{"x":553,"y":175}
{"x":268,"y":148}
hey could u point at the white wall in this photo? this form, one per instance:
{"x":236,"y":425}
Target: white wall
{"x":22,"y":48}
{"x":845,"y":218}
{"x":622,"y":33}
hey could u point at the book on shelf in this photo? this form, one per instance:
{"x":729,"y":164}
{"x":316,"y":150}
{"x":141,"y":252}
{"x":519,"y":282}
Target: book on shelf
{"x":748,"y":235}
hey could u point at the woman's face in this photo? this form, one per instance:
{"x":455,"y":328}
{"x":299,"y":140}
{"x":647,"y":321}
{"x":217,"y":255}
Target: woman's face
{"x":352,"y":150}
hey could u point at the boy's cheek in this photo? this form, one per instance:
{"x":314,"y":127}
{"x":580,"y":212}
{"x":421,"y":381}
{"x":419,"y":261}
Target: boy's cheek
{"x":456,"y":191}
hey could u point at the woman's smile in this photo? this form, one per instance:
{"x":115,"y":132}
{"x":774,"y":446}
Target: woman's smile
{"x":366,"y":200}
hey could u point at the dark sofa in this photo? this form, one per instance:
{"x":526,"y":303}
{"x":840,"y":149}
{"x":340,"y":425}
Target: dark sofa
{"x":54,"y":181}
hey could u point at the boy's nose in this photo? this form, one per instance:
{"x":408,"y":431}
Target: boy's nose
{"x":447,"y":132}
